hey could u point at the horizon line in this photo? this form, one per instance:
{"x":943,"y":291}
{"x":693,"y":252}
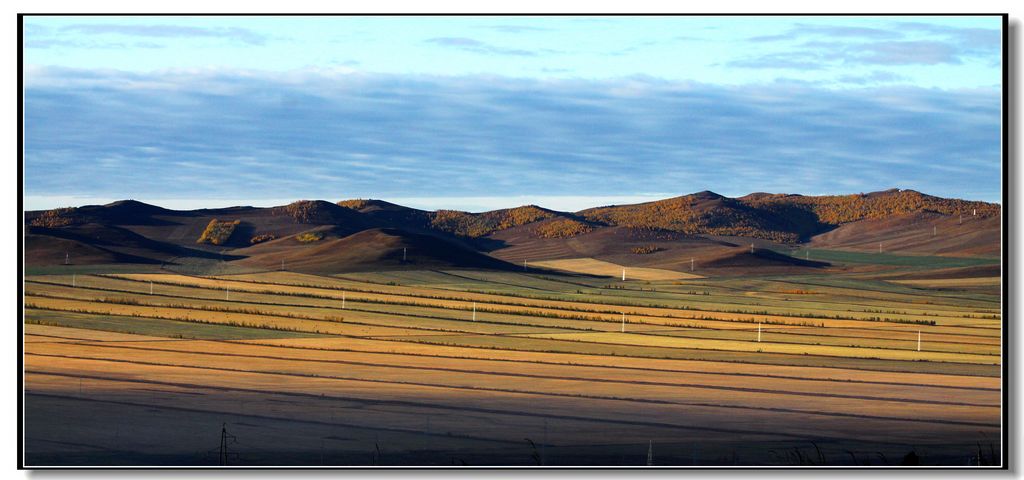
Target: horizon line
{"x":471,"y":204}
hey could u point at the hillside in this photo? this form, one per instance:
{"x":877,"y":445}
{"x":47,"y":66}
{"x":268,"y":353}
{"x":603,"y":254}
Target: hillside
{"x":375,"y":248}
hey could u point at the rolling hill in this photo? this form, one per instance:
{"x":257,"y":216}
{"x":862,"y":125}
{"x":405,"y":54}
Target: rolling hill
{"x":703,"y":230}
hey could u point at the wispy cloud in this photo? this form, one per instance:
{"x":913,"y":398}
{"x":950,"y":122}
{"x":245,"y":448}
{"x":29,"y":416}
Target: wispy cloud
{"x":824,"y":46}
{"x":516,"y":28}
{"x":476,"y":46}
{"x":243,"y":35}
{"x":875,"y":77}
{"x":302,"y":134}
{"x":802,"y":30}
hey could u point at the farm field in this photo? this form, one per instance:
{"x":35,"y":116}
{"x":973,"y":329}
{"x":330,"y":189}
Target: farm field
{"x":592,"y":266}
{"x":477,"y":367}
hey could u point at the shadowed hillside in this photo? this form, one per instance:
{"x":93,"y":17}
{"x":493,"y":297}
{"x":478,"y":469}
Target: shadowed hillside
{"x":376,"y":248}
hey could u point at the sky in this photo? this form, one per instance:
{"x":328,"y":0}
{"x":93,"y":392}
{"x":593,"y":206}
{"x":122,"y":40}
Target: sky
{"x":476,"y":113}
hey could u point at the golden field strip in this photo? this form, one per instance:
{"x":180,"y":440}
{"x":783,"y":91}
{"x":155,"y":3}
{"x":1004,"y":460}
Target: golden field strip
{"x":392,"y":368}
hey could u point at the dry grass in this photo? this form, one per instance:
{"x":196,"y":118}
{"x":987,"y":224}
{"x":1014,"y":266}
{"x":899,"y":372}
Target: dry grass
{"x":592,"y":266}
{"x":399,"y":355}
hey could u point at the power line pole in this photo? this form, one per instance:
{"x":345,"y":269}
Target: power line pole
{"x":623,"y":274}
{"x":474,"y":311}
{"x":759,"y":332}
{"x":919,"y":340}
{"x":623,"y":330}
{"x":223,"y":453}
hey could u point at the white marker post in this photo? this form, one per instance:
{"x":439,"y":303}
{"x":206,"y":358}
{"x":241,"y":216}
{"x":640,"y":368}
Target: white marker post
{"x":919,"y":340}
{"x":227,"y":292}
{"x":623,"y":274}
{"x":623,"y":329}
{"x":150,"y":287}
{"x":975,"y":212}
{"x":759,"y":332}
{"x":342,"y":300}
{"x":73,"y":280}
{"x":691,"y":264}
{"x":474,"y":311}
{"x":403,"y":254}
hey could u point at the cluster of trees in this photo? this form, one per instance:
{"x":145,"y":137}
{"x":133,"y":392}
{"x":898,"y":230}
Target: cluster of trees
{"x":646,"y":249}
{"x":562,"y":228}
{"x":694,"y":214}
{"x":309,"y":237}
{"x":840,"y":209}
{"x":263,"y":237}
{"x":354,"y":204}
{"x":218,"y":232}
{"x":777,"y":217}
{"x":481,"y":224}
{"x":58,"y":217}
{"x":316,"y":212}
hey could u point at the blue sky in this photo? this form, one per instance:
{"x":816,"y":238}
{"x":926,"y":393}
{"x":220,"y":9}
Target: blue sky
{"x":485,"y":112}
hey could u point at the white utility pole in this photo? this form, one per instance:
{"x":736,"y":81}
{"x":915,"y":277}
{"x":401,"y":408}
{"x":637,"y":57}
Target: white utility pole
{"x":623,"y":329}
{"x":150,"y":287}
{"x":227,"y":292}
{"x":623,"y":274}
{"x":759,"y":332}
{"x":342,"y":300}
{"x":691,"y":264}
{"x":474,"y":311}
{"x":919,"y":340}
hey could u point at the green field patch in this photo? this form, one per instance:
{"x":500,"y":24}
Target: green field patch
{"x":155,"y":327}
{"x":929,"y":261}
